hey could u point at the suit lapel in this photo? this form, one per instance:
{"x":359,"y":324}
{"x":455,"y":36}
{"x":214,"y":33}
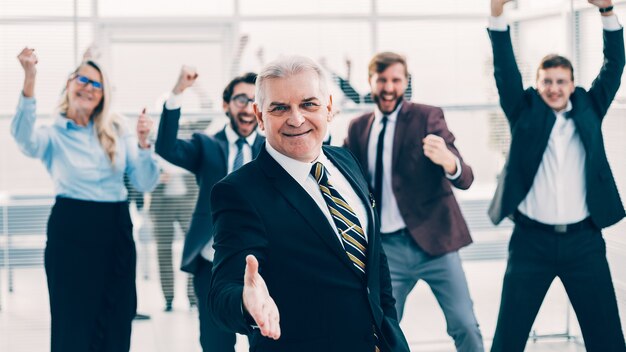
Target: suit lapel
{"x":302,"y":203}
{"x":222,"y":141}
{"x":364,"y":142}
{"x":256,"y":146}
{"x":402,"y":122}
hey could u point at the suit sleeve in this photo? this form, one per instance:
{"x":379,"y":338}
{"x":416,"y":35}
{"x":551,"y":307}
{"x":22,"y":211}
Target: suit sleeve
{"x":387,"y":301}
{"x":507,"y":75}
{"x":234,"y":240}
{"x":349,"y":141}
{"x":183,"y":153}
{"x":606,"y":84}
{"x":437,"y":125}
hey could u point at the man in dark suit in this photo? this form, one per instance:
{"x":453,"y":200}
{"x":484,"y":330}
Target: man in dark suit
{"x":558,"y":188}
{"x":209,"y":158}
{"x":409,"y":155}
{"x":298,"y":259}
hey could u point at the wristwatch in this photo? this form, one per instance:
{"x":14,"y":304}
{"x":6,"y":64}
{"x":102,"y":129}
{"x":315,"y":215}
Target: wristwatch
{"x":606,"y":9}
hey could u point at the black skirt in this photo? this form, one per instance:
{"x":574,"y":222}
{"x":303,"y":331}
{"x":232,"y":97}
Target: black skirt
{"x":90,"y":265}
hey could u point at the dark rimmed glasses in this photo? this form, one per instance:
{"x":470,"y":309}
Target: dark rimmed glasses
{"x":241,"y":100}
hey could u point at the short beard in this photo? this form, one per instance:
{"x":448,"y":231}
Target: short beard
{"x":398,"y":101}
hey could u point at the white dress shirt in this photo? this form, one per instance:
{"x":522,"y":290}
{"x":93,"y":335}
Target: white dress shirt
{"x":559,"y":191}
{"x":558,"y":194}
{"x":232,"y":137}
{"x":301,"y":173}
{"x":390,"y":220}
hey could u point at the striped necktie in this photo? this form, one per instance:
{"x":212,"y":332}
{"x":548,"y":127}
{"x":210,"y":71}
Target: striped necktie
{"x":239,"y":156}
{"x":348,"y":225}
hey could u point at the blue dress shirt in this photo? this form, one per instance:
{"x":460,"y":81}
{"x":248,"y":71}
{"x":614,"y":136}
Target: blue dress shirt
{"x":79,"y":166}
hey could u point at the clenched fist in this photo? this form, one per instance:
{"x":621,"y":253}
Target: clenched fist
{"x":144,"y":125}
{"x":186,"y":79}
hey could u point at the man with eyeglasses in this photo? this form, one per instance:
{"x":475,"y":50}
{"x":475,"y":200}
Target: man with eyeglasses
{"x":209,"y":158}
{"x":558,"y":188}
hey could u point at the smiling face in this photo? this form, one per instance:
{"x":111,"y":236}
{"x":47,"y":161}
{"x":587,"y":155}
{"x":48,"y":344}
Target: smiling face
{"x":555,"y":85}
{"x":295,"y":115}
{"x":388,"y":87}
{"x":83,"y":96}
{"x":241,"y":116}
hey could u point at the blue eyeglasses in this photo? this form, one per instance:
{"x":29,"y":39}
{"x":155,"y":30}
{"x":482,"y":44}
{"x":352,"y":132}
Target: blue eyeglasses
{"x":85,"y":81}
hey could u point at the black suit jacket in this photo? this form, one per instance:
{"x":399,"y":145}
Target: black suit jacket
{"x":207,"y":158}
{"x":531,"y":122}
{"x":324,"y":305}
{"x":422,"y":191}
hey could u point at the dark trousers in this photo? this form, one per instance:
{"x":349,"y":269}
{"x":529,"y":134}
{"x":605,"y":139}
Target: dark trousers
{"x":212,"y":338}
{"x":578,"y":258}
{"x":90,"y":267}
{"x":165,"y":213}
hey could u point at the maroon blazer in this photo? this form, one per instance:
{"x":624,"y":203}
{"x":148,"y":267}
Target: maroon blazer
{"x":424,"y":195}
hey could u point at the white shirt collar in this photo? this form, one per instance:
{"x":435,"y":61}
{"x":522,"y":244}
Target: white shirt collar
{"x":378,"y":115}
{"x":297,"y":169}
{"x":232,"y":136}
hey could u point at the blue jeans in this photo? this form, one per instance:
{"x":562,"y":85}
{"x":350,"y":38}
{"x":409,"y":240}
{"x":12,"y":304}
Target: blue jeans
{"x":408,"y":263}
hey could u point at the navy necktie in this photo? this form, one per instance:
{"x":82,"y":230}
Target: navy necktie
{"x":239,"y":156}
{"x":378,"y":171}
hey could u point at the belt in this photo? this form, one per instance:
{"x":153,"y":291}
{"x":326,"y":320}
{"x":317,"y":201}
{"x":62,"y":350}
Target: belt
{"x":523,"y":220}
{"x":397,"y":232}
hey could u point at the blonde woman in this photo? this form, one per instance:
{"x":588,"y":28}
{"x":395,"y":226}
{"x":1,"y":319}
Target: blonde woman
{"x":90,"y":253}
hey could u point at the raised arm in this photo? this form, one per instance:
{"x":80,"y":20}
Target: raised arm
{"x":606,"y":84}
{"x":32,"y":142}
{"x":506,"y":72}
{"x":183,"y":153}
{"x":141,"y":166}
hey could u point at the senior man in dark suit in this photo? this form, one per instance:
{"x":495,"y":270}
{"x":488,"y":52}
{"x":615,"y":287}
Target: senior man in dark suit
{"x":408,"y":152}
{"x":298,"y":259}
{"x":209,"y":158}
{"x":558,"y":188}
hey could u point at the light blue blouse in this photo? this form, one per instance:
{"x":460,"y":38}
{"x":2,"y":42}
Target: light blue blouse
{"x":78,"y":164}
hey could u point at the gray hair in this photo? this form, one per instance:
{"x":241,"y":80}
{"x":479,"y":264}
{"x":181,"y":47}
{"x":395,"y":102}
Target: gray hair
{"x":284,"y":67}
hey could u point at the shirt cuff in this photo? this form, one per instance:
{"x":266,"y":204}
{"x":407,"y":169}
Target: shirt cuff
{"x":26,"y":102}
{"x":457,"y":174}
{"x":498,"y":23}
{"x":611,"y":23}
{"x":174,"y":101}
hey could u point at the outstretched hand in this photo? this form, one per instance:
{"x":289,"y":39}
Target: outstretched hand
{"x":258,"y":302}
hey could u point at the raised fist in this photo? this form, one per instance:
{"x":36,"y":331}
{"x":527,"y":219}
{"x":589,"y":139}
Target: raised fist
{"x":186,"y":79}
{"x":28,"y":60}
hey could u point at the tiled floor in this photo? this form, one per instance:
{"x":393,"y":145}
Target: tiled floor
{"x":24,"y":319}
